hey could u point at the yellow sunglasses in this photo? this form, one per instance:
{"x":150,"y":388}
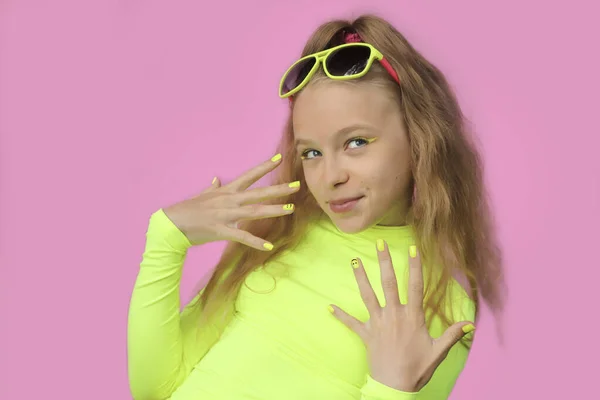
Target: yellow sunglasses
{"x":343,"y":62}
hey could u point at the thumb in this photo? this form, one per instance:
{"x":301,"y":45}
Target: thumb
{"x":453,"y":334}
{"x":216,"y":183}
{"x":354,"y":324}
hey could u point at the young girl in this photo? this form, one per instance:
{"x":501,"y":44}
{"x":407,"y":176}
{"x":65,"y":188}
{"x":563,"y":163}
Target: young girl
{"x":358,"y":273}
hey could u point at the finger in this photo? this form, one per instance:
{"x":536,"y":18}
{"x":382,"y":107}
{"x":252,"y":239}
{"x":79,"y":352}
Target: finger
{"x":261,"y":194}
{"x":366,"y":290}
{"x":215,"y":184}
{"x":351,"y":322}
{"x":415,"y":280}
{"x":452,"y":336}
{"x":254,"y":174}
{"x":245,"y":237}
{"x":389,"y":282}
{"x":259,"y":211}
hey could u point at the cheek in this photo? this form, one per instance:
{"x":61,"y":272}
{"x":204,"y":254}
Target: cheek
{"x":389,"y":180}
{"x":312,"y":182}
{"x":376,"y":172}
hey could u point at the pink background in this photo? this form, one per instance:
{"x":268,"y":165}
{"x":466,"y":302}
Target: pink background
{"x":112,"y":109}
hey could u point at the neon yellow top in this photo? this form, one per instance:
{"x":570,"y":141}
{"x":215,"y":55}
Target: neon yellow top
{"x":282,"y":342}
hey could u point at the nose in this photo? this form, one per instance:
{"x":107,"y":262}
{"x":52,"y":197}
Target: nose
{"x":335,"y":172}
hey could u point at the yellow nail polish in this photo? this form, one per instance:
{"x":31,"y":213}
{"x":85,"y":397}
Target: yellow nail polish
{"x":380,"y":245}
{"x":354,"y":263}
{"x":214,"y":180}
{"x":288,"y":207}
{"x":468,"y":328}
{"x":413,"y":251}
{"x":331,"y":310}
{"x":268,"y":246}
{"x":276,"y":157}
{"x":294,"y":184}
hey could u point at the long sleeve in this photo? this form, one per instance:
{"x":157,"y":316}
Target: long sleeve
{"x":374,"y":390}
{"x":162,"y":342}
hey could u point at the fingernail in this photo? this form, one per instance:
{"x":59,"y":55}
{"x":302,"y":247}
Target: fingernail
{"x":354,"y":263}
{"x":413,"y":251}
{"x":294,"y":184}
{"x":468,"y":328}
{"x":214,"y":180}
{"x":276,"y":157}
{"x":288,"y":207}
{"x":331,"y":310}
{"x":380,"y":245}
{"x":268,"y":246}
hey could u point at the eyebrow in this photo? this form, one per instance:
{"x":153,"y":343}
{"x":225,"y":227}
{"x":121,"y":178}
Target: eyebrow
{"x":342,"y":132}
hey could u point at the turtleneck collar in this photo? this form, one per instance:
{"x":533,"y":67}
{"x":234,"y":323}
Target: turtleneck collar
{"x":391,"y":234}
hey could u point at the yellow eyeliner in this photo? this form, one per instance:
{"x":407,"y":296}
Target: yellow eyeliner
{"x":368,"y":140}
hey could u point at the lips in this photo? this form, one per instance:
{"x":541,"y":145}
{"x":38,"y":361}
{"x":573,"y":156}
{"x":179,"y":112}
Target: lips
{"x":342,"y":201}
{"x":344,"y":205}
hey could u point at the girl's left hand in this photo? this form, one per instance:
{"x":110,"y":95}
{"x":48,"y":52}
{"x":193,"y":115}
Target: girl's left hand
{"x":402,"y":354}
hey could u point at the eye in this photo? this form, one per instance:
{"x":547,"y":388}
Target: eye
{"x":308,"y":154}
{"x":351,"y":144}
{"x":357,"y":142}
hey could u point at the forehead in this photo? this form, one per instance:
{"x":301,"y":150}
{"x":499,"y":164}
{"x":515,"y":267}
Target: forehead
{"x":326,"y":108}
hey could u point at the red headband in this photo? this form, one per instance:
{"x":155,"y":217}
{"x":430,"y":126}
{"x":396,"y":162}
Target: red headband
{"x":352,"y":38}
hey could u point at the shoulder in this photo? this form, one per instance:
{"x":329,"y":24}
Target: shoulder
{"x":462,"y":301}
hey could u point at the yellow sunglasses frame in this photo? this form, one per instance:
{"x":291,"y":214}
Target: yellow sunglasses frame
{"x":321,"y":56}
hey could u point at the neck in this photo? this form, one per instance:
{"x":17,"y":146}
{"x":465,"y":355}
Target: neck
{"x":396,"y":216}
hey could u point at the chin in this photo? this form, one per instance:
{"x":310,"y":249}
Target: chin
{"x":350,"y":224}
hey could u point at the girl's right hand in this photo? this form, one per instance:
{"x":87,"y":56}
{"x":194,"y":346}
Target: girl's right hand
{"x":215,"y":213}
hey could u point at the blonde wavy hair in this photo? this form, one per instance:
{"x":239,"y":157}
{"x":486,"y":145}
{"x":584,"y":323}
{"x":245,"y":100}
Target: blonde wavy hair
{"x":450,"y":212}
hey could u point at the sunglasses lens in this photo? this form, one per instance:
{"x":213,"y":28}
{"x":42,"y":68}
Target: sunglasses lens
{"x":349,"y":60}
{"x":297,"y":75}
